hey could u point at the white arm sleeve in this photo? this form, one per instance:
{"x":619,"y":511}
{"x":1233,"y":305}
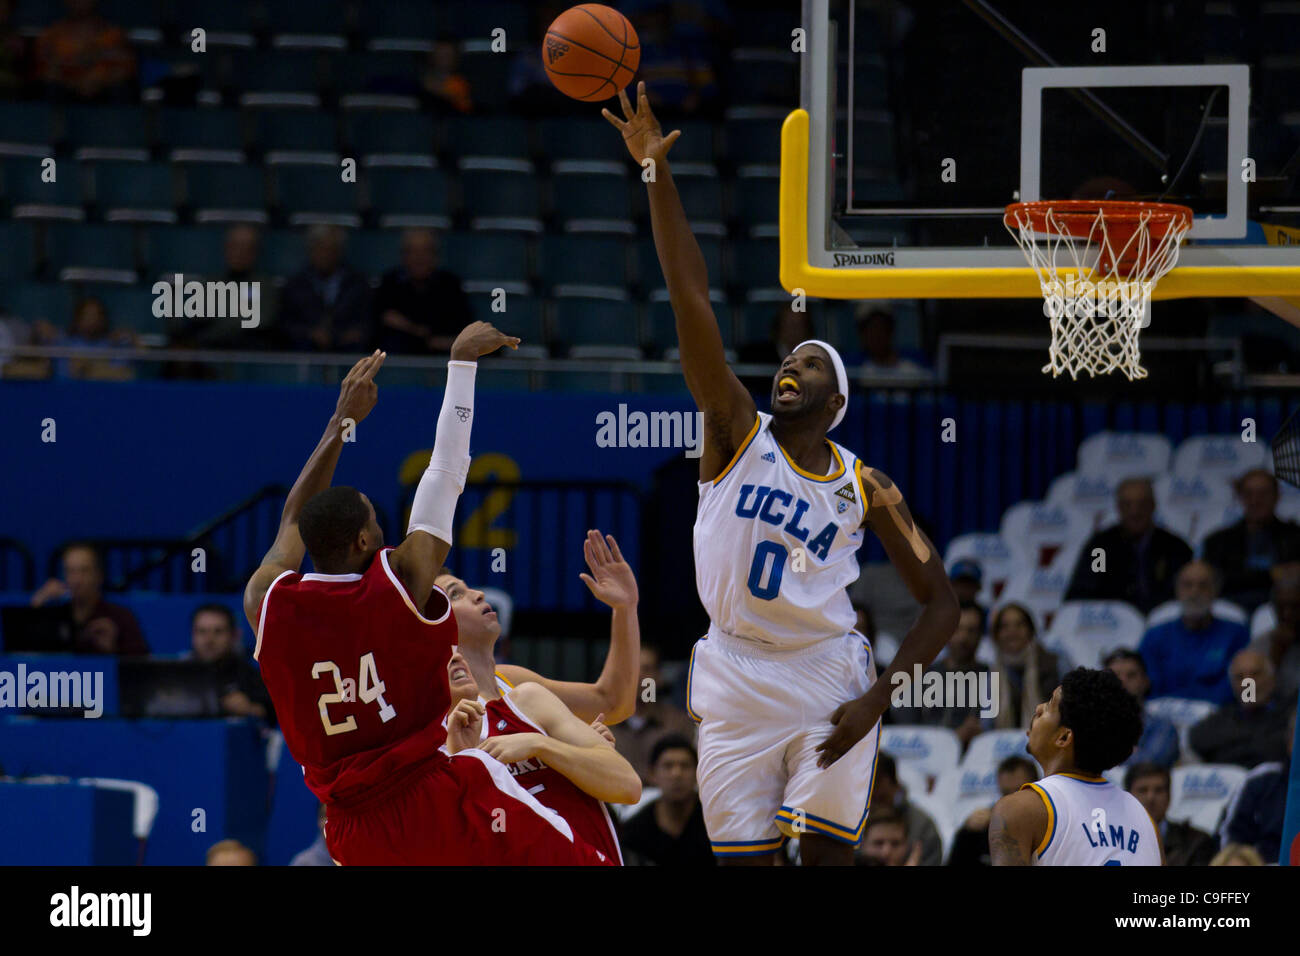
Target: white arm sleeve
{"x":443,"y":481}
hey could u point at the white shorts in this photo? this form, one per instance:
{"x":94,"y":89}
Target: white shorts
{"x":762,"y":713}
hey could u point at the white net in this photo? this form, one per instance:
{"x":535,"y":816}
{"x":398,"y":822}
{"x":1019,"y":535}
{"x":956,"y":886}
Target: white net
{"x":1097,"y":286}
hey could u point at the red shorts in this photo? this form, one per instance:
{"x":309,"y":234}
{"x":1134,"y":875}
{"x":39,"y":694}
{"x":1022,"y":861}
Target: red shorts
{"x":464,"y":810}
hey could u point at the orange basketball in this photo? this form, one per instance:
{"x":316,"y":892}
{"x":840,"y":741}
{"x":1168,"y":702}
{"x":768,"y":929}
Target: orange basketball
{"x":591,"y":52}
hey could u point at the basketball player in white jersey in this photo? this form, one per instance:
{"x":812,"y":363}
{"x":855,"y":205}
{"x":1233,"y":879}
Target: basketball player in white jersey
{"x":1073,"y":816}
{"x":784,"y":689}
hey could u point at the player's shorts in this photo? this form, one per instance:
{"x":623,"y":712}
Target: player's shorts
{"x":464,"y":810}
{"x":762,"y":714}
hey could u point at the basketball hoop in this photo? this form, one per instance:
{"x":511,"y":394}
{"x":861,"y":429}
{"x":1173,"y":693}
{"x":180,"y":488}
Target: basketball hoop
{"x":1097,"y":263}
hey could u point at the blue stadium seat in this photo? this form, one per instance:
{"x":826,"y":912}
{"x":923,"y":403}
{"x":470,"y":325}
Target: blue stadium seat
{"x":484,"y":257}
{"x":590,"y":201}
{"x":661,"y":326}
{"x":215,"y":16}
{"x":754,"y":135}
{"x":583,"y":260}
{"x":467,"y":19}
{"x":761,"y":75}
{"x":695,"y":145}
{"x":702,"y":200}
{"x":756,"y":264}
{"x":183,"y":131}
{"x":758,"y":202}
{"x":370,"y":132}
{"x":282,"y":71}
{"x":488,"y":75}
{"x":398,"y":24}
{"x":390,"y":72}
{"x":29,"y":197}
{"x":396,"y":194}
{"x":189,"y":250}
{"x":650,"y":274}
{"x":375,"y":251}
{"x":218,"y":188}
{"x":291,"y":130}
{"x":92,"y":130}
{"x":30,"y":301}
{"x":522,"y":317}
{"x":501,"y":198}
{"x":135,"y":192}
{"x":26,"y":125}
{"x":320,"y":17}
{"x":584,"y":323}
{"x":103,"y":248}
{"x":304,"y":192}
{"x":506,"y":136}
{"x":571,"y":138}
{"x":18,"y":240}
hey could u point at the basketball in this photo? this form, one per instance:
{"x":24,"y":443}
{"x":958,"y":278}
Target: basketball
{"x":591,"y":52}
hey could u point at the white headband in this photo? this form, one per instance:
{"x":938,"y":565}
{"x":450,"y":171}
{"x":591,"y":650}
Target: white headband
{"x":840,"y":376}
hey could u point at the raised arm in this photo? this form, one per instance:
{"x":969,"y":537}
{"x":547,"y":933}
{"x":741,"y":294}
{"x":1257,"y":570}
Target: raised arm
{"x":614,"y":691}
{"x":428,"y":536}
{"x":1016,"y":828}
{"x":921,"y":568}
{"x":357,"y":396}
{"x":728,"y":408}
{"x":569,"y":746}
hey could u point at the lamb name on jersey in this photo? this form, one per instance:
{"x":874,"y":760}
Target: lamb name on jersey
{"x":776,"y":547}
{"x":1092,"y":822}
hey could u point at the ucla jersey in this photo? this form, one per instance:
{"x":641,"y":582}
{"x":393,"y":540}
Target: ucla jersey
{"x":1092,"y":822}
{"x":776,"y":546}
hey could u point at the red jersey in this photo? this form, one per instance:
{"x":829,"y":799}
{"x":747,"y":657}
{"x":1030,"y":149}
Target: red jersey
{"x":588,"y":816}
{"x":357,"y":675}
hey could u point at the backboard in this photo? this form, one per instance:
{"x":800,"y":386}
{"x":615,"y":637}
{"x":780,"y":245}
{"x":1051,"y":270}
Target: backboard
{"x":925,"y":119}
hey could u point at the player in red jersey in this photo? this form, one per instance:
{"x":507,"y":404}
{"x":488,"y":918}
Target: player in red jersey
{"x":558,"y":758}
{"x":612,"y":696}
{"x":358,"y":674}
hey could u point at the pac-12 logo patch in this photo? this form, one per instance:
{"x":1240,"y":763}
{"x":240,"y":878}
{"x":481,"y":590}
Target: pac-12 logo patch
{"x":841,"y":507}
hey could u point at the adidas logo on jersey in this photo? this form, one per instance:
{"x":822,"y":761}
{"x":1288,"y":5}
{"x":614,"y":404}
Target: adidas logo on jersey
{"x":768,"y":456}
{"x":555,"y":49}
{"x":847,"y":492}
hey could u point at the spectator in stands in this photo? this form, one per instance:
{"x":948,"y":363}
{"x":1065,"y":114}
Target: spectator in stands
{"x":230,"y":853}
{"x":317,"y":854}
{"x":326,"y":305}
{"x":214,"y":640}
{"x":1234,"y":854}
{"x":1141,"y":560}
{"x":90,"y":329}
{"x":1244,"y":553}
{"x":1280,"y":645}
{"x":1027,"y":672}
{"x":656,"y":716}
{"x":885,"y":842}
{"x":443,"y":88}
{"x":102,"y":628}
{"x":1252,"y":728}
{"x":970,"y":845}
{"x":879,"y":358}
{"x":967,"y":577}
{"x":13,"y":54}
{"x":959,"y":658}
{"x":419,"y":306}
{"x":889,"y":796}
{"x":84,"y":57}
{"x":1159,"y":742}
{"x":1188,"y":656}
{"x":1255,"y":814}
{"x":669,"y":831}
{"x":1184,"y":844}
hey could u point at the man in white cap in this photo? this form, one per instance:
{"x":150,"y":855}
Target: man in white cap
{"x":783,"y":687}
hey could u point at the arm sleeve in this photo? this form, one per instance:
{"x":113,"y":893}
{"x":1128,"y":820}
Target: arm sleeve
{"x":443,"y":481}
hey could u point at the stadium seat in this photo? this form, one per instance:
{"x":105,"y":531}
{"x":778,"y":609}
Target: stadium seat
{"x":987,"y":750}
{"x":356,"y":76}
{"x":486,"y":260}
{"x":963,"y":790}
{"x":1093,"y":494}
{"x":938,"y":812}
{"x":375,"y":251}
{"x":755,"y":264}
{"x":26,"y":129}
{"x":661,"y":327}
{"x":1037,"y":531}
{"x":135,"y":192}
{"x":19,"y":260}
{"x":597,"y":328}
{"x":493,"y":136}
{"x":759,"y":75}
{"x":522,"y":317}
{"x":501,"y":194}
{"x":219,"y":192}
{"x":284,"y":251}
{"x":400,"y":25}
{"x":130,"y":307}
{"x":1038,"y":589}
{"x":702,"y":199}
{"x":757,"y":202}
{"x":312,"y":194}
{"x":108,"y":132}
{"x":650,"y":274}
{"x":91,"y":253}
{"x":932,"y":750}
{"x":1085,"y":631}
{"x":1130,"y":454}
{"x":30,"y":301}
{"x":488,"y":75}
{"x":220,"y":17}
{"x":994,"y":556}
{"x":1183,"y":713}
{"x":201,"y":135}
{"x":319,"y":24}
{"x":1200,"y":793}
{"x":1218,"y":459}
{"x":189,"y":250}
{"x":387,"y":132}
{"x":29,"y":196}
{"x":754,"y":135}
{"x":291,"y":134}
{"x":565,"y":262}
{"x":401,"y":196}
{"x":562,"y":138}
{"x":591,"y":197}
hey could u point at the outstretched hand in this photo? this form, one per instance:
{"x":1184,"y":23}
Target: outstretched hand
{"x":358,"y":393}
{"x":640,"y":128}
{"x":480,"y":338}
{"x":611,"y":580}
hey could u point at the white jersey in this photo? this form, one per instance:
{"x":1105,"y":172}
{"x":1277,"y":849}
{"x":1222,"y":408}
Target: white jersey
{"x":776,"y":546}
{"x":1092,"y":822}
